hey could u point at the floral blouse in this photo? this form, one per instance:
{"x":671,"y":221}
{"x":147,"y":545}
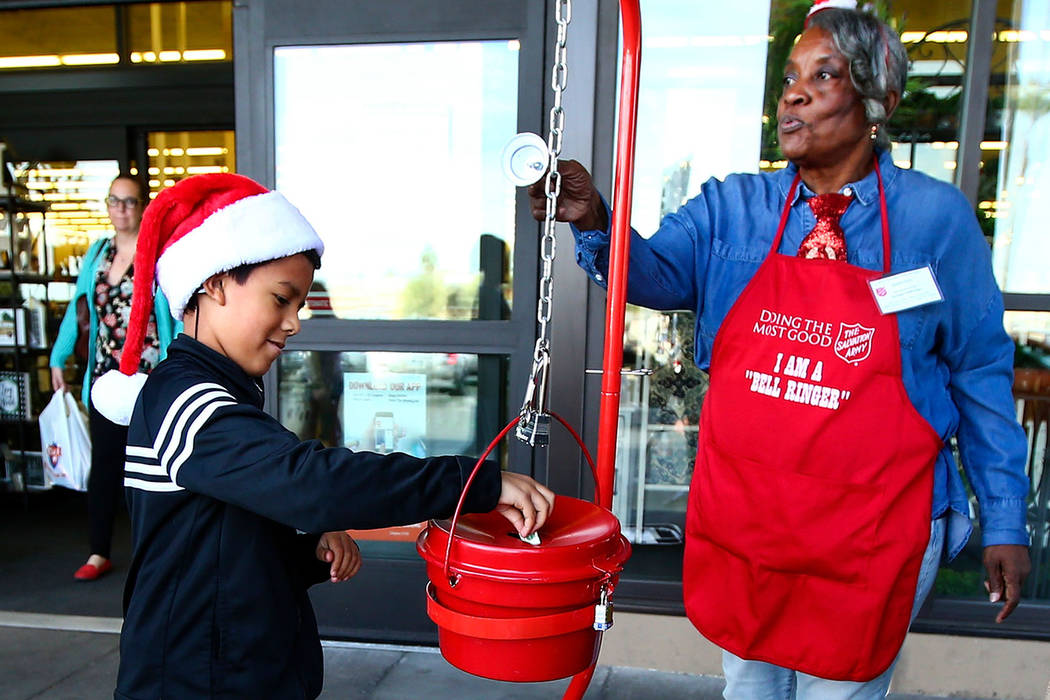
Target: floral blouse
{"x":113,"y":305}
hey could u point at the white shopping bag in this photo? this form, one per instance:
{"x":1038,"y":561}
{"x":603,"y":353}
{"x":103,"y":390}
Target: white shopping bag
{"x":65,"y":442}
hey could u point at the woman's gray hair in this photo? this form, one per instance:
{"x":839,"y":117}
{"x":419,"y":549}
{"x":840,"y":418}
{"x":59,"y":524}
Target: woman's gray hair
{"x":878,"y":63}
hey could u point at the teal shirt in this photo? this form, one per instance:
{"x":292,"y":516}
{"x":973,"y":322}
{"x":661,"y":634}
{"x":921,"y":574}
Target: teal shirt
{"x":167,"y":327}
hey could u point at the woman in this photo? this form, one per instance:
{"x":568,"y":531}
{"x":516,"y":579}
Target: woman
{"x":823,"y":438}
{"x":106,"y":281}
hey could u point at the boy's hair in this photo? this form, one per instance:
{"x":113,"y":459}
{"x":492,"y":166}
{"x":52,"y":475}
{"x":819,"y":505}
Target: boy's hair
{"x":241,"y":273}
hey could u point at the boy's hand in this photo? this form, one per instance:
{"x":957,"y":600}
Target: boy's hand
{"x":524,"y":502}
{"x":339,"y":550}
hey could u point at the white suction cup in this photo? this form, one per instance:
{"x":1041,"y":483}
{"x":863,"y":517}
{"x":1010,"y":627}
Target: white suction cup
{"x":525,"y":159}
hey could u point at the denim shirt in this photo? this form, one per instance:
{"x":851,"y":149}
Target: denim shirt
{"x":957,"y":360}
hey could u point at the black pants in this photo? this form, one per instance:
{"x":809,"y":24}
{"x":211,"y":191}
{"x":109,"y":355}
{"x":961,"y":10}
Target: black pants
{"x":106,"y":481}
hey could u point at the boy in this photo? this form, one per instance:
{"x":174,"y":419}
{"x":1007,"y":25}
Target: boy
{"x":220,"y":494}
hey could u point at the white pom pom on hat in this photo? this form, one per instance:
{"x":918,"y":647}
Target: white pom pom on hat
{"x":110,"y":394}
{"x":203,"y":225}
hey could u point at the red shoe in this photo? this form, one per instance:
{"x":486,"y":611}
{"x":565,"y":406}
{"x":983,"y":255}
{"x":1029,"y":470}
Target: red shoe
{"x":90,"y":572}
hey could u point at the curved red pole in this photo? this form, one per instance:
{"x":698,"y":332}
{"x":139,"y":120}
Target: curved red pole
{"x":578,"y":685}
{"x":616,"y":301}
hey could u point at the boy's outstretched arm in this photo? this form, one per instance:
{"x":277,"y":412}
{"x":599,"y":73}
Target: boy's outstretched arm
{"x":240,"y":455}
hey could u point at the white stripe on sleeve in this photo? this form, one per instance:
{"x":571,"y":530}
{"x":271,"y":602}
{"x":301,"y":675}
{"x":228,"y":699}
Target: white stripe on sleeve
{"x":156,"y":486}
{"x":191,"y":433}
{"x":175,"y":410}
{"x":148,"y":469}
{"x":137,"y":451}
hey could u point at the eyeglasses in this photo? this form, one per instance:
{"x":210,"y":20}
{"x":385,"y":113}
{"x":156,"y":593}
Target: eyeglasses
{"x":115,"y":201}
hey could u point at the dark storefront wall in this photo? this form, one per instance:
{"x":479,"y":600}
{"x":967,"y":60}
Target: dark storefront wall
{"x":103,"y":114}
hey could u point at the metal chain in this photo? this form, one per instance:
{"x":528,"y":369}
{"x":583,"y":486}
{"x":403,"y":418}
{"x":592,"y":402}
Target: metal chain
{"x":533,"y":413}
{"x":559,"y":79}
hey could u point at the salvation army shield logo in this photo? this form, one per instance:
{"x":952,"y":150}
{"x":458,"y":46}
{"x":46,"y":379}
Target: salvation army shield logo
{"x":54,"y":453}
{"x":853,"y":343}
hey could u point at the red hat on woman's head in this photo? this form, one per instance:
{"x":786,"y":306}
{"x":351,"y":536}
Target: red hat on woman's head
{"x":819,"y":5}
{"x":204,"y":225}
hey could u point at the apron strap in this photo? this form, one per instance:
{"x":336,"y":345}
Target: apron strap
{"x":784,"y":214}
{"x":883,"y":214}
{"x":885,"y":221}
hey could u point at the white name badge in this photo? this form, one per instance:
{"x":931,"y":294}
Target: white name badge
{"x":906,"y":290}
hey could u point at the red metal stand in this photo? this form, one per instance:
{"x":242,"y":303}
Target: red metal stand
{"x":616,"y":303}
{"x":612,"y":365}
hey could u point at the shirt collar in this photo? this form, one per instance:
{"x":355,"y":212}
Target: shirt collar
{"x":246,"y":388}
{"x":866,"y":190}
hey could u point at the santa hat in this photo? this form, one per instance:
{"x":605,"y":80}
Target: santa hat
{"x":203,"y":225}
{"x":819,"y":5}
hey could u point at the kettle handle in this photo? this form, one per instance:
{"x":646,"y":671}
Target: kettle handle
{"x":453,"y":580}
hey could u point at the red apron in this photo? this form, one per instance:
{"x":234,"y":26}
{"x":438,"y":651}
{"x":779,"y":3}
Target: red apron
{"x":809,"y":510}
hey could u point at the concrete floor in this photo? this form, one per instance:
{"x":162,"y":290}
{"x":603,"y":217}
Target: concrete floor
{"x":59,"y":641}
{"x":47,"y":664}
{"x":72,"y":664}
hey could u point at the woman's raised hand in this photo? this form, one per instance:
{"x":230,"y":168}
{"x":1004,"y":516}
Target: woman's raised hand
{"x":578,"y":203}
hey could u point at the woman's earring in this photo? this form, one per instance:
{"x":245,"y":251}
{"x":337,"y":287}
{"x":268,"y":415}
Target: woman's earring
{"x":874,"y":131}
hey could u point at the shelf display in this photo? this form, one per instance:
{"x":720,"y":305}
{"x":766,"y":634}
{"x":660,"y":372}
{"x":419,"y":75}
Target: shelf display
{"x":657,"y":436}
{"x":12,"y":327}
{"x":15,"y":403}
{"x":26,"y":276}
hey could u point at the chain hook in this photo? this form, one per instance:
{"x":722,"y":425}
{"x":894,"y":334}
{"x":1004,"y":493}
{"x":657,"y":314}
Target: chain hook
{"x":534,"y":426}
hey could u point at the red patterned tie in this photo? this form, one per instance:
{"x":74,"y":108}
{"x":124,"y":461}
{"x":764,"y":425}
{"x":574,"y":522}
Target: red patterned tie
{"x":826,"y":240}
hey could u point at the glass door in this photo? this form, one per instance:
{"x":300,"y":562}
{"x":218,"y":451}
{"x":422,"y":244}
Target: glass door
{"x":384,"y":124}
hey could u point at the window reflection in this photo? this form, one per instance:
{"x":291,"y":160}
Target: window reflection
{"x":697,"y":55}
{"x":174,"y":155}
{"x":1031,"y":334}
{"x":964,"y":576}
{"x":155,"y":33}
{"x":418,"y":403}
{"x":399,"y":171}
{"x":422,"y":404}
{"x":73,"y":192}
{"x":1016,"y":191}
{"x":180,"y":32}
{"x":58,"y":36}
{"x":1032,"y":390}
{"x":925,"y":126}
{"x":659,"y":418}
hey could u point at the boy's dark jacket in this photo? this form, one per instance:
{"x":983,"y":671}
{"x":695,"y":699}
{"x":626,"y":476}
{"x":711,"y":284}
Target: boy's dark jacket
{"x":215,"y":604}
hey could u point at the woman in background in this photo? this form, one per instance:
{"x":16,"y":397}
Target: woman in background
{"x":106,"y":281}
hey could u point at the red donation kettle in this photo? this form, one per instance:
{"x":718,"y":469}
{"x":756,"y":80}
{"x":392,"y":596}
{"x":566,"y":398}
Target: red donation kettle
{"x":513,"y":611}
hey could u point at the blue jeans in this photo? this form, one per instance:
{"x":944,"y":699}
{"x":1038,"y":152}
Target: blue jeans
{"x":757,"y":680}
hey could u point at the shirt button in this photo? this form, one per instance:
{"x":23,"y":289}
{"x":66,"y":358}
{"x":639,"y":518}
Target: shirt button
{"x":598,"y":277}
{"x":848,"y":191}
